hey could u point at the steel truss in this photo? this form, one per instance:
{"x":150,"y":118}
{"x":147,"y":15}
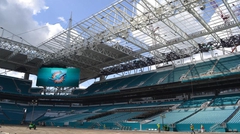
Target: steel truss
{"x":122,"y":33}
{"x":16,"y":45}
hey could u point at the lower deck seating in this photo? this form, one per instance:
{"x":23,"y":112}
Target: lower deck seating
{"x":210,"y":115}
{"x":71,"y":117}
{"x":34,"y":115}
{"x":173,"y":116}
{"x":116,"y":117}
{"x":180,"y":117}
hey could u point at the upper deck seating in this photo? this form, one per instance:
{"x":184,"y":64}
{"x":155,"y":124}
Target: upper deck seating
{"x":195,"y":102}
{"x":222,"y":100}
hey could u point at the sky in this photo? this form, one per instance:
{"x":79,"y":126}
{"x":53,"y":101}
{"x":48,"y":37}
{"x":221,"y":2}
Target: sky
{"x":60,"y":10}
{"x":38,"y":20}
{"x":45,"y":18}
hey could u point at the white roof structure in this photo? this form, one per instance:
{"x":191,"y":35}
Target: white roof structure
{"x":132,"y":30}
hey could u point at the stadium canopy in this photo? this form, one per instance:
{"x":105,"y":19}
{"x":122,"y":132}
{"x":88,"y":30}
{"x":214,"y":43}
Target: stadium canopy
{"x":132,"y":34}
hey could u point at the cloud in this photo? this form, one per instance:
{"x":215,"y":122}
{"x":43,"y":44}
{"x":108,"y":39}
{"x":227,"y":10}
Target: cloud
{"x":53,"y":29}
{"x":17,"y":17}
{"x":62,"y":19}
{"x":35,"y":6}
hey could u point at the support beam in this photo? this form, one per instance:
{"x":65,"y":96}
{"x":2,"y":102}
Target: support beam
{"x":170,"y":24}
{"x":124,"y":35}
{"x":191,"y":10}
{"x":161,"y":42}
{"x":26,"y":76}
{"x":21,"y":48}
{"x":18,"y":63}
{"x":95,"y":47}
{"x":231,"y":12}
{"x":14,"y":53}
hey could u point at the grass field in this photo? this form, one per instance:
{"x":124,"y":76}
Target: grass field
{"x":55,"y":130}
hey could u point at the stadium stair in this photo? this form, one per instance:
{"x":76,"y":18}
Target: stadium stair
{"x":175,"y":106}
{"x":164,"y":79}
{"x":99,"y":115}
{"x":209,"y":104}
{"x":176,"y":73}
{"x":216,"y":126}
{"x":152,"y":80}
{"x":148,"y":114}
{"x":211,"y":71}
{"x":98,"y":124}
{"x":231,"y":116}
{"x":34,"y":116}
{"x":223,"y":125}
{"x":205,"y":105}
{"x":118,"y":124}
{"x":95,"y":125}
{"x":40,"y":116}
{"x":131,"y":81}
{"x":186,"y":74}
{"x":5,"y":115}
{"x":187,"y":117}
{"x":140,"y":84}
{"x":140,"y":80}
